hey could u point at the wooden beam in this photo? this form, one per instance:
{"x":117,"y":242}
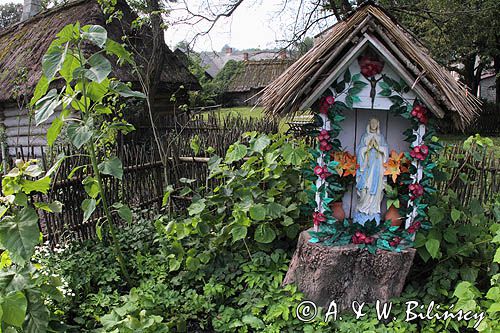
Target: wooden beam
{"x":349,"y":38}
{"x":406,"y":76}
{"x":345,"y":62}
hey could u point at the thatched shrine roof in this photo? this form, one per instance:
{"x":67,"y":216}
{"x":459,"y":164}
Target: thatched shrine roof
{"x":258,"y":74}
{"x":23,"y":45}
{"x":291,"y":92}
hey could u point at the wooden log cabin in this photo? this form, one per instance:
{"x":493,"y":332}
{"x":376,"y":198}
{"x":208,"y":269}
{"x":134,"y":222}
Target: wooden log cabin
{"x":23,"y":45}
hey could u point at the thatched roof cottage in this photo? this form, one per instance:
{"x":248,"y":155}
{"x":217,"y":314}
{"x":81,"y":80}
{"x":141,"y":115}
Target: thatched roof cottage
{"x":23,"y":45}
{"x":253,"y":77}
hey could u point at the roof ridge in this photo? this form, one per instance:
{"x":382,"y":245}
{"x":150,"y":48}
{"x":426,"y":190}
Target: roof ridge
{"x":42,"y":14}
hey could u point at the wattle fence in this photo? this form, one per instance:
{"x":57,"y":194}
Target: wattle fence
{"x":186,"y":154}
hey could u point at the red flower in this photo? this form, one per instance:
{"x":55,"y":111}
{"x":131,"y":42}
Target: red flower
{"x":330,"y":100}
{"x":420,"y":152}
{"x":318,"y":170}
{"x":323,"y":135}
{"x":414,"y":227}
{"x":370,"y":66}
{"x":416,"y":190}
{"x":361,"y":238}
{"x":322,"y":171}
{"x":325,"y":146}
{"x":318,"y":218}
{"x":420,"y":112}
{"x":395,"y":241}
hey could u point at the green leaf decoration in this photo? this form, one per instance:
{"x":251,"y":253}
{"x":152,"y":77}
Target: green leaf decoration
{"x":88,"y":207}
{"x":235,"y":153}
{"x":112,"y":166}
{"x":347,"y":75}
{"x":14,"y":307}
{"x":238,"y":232}
{"x":46,"y":106}
{"x":258,"y":212}
{"x":79,"y":134}
{"x":96,"y":34}
{"x":100,"y":68}
{"x":19,"y":234}
{"x":264,"y":233}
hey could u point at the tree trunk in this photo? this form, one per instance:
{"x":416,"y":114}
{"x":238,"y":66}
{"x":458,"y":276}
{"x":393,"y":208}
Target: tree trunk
{"x":496,"y":66}
{"x":346,"y":273}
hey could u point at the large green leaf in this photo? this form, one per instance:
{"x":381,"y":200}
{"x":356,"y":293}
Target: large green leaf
{"x":261,"y":143}
{"x":112,"y":166}
{"x":37,"y":314}
{"x":100,"y":68}
{"x":46,"y":106}
{"x":88,"y":207}
{"x":96,"y":34}
{"x":123,"y":211}
{"x":56,"y":127}
{"x":118,"y":50}
{"x":41,"y":185}
{"x":79,"y":134}
{"x":235,"y":152}
{"x":19,"y":234}
{"x":264,"y":233}
{"x":258,"y":212}
{"x":292,"y":155}
{"x":239,"y":232}
{"x":123,"y":90}
{"x":196,"y":207}
{"x":53,"y":60}
{"x":432,"y":246}
{"x":41,"y":89}
{"x":14,"y":308}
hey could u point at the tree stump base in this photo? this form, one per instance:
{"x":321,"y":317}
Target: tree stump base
{"x":346,"y":273}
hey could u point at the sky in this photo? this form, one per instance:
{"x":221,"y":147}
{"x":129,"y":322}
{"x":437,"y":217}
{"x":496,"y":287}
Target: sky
{"x":255,"y":24}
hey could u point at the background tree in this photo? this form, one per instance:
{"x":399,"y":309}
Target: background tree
{"x":10,"y":13}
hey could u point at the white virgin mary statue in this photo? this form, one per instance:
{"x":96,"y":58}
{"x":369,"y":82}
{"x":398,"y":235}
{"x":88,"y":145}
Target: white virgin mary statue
{"x":372,"y":153}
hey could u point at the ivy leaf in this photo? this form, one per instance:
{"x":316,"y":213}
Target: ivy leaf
{"x":19,"y":234}
{"x":79,"y":134}
{"x":112,"y":166}
{"x":264,"y":233}
{"x":14,"y":307}
{"x":88,"y":207}
{"x":432,"y":246}
{"x":257,"y":212}
{"x":235,"y":153}
{"x":96,"y":34}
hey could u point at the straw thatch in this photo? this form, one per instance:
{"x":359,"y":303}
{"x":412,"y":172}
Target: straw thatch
{"x":258,"y":74}
{"x":23,"y":45}
{"x":286,"y":95}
